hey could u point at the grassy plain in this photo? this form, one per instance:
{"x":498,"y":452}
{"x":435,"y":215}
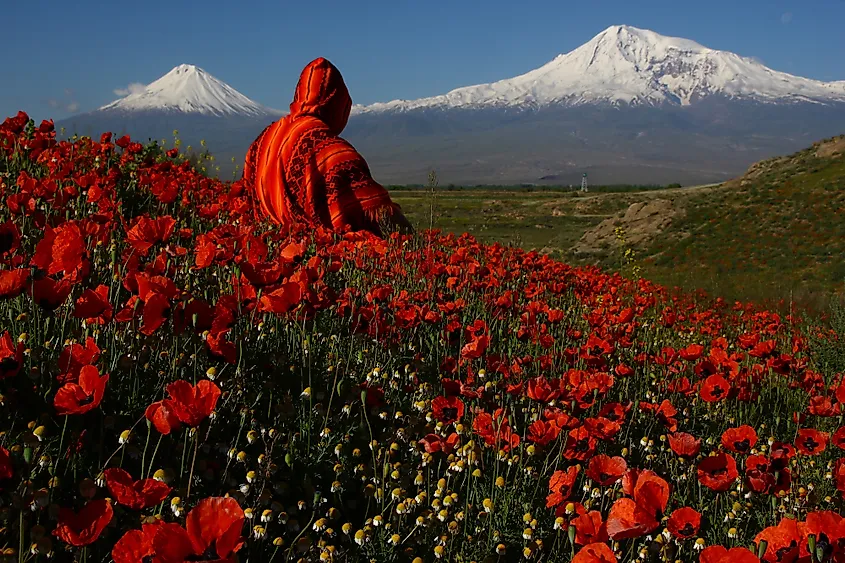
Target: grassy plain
{"x":776,"y":234}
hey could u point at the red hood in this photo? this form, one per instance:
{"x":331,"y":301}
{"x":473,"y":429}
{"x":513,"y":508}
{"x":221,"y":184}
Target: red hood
{"x":322,"y":93}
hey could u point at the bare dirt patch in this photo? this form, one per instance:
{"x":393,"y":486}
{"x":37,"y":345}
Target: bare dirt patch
{"x":831,"y":148}
{"x":641,"y":222}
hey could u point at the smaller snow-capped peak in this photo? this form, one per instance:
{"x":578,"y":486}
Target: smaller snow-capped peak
{"x":628,"y":65}
{"x":189,"y":89}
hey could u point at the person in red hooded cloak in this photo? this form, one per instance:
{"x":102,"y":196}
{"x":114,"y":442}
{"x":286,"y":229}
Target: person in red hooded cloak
{"x":303,"y":173}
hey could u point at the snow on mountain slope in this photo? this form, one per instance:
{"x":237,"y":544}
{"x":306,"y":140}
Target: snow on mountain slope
{"x":190,"y":89}
{"x":627,"y":65}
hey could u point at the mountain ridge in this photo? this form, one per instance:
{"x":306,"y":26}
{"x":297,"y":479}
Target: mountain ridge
{"x":627,"y":65}
{"x":189,"y":89}
{"x":628,"y":106}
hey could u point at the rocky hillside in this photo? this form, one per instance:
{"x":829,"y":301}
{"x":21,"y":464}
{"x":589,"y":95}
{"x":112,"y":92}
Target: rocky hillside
{"x":776,"y":230}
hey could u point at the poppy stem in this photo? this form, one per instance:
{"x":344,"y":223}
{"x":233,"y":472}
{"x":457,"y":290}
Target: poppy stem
{"x":193,"y":461}
{"x":22,"y":536}
{"x":59,"y":455}
{"x":146,"y":445}
{"x":182,"y":459}
{"x":152,"y":459}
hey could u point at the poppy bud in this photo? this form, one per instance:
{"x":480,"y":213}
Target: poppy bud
{"x":761,"y":547}
{"x":811,"y":543}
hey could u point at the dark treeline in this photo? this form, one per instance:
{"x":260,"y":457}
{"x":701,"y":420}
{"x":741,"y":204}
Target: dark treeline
{"x":616,"y":188}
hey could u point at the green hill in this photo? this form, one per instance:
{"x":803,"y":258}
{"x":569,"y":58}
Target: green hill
{"x":777,"y":232}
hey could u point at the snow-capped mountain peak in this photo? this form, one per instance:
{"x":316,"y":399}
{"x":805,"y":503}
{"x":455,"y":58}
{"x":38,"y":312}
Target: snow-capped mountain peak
{"x":628,"y":65}
{"x":189,"y":89}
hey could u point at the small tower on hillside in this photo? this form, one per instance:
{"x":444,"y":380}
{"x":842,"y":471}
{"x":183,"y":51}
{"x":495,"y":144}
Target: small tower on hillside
{"x":584,"y":187}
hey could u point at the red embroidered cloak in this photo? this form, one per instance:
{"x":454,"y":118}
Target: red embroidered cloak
{"x":302,"y":172}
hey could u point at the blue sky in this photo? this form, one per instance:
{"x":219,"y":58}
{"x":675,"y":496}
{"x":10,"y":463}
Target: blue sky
{"x":61,"y":57}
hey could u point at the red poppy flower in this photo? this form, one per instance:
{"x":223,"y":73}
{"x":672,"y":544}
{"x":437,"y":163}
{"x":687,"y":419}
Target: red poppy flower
{"x":146,"y":232}
{"x":434,"y":443}
{"x":79,"y":398}
{"x":602,"y":428}
{"x":221,"y":348}
{"x":261,"y":273}
{"x":212,"y":531}
{"x":715,"y":388}
{"x":13,"y":282}
{"x":137,"y":495}
{"x":629,"y":481}
{"x":61,"y":250}
{"x":623,"y":370}
{"x":641,"y":515}
{"x":85,"y":527}
{"x":783,"y":542}
{"x":589,"y":528}
{"x":94,"y":306}
{"x":829,"y":529}
{"x":822,"y":406}
{"x":562,"y":420}
{"x":447,"y":409}
{"x":617,"y":412}
{"x":476,"y":347}
{"x":580,"y":444}
{"x":6,"y":469}
{"x":595,"y":553}
{"x":719,"y":554}
{"x":684,"y":445}
{"x":10,"y":238}
{"x":542,"y":432}
{"x":560,"y":485}
{"x":11,"y":356}
{"x":718,"y":472}
{"x":664,"y":412}
{"x":293,"y":252}
{"x":838,"y":438}
{"x":154,"y":313}
{"x":495,"y":430}
{"x":76,"y":356}
{"x":763,"y":349}
{"x":188,"y":404}
{"x":692,"y":352}
{"x":282,"y":299}
{"x":540,"y":389}
{"x":606,"y":470}
{"x":739,"y":440}
{"x":839,"y":475}
{"x":780,"y":453}
{"x":137,"y":545}
{"x":684,"y":523}
{"x":682,"y":386}
{"x":195,"y":313}
{"x":162,"y":415}
{"x":50,"y":294}
{"x":758,"y":474}
{"x":810,"y":441}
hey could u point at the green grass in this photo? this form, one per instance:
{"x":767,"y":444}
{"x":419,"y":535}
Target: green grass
{"x":549,"y":220}
{"x":778,"y":238}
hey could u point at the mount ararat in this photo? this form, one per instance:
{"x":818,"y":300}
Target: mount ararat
{"x":629,"y":106}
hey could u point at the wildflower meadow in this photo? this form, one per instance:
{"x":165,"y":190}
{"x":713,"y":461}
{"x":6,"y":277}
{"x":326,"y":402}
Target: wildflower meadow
{"x":182,"y":382}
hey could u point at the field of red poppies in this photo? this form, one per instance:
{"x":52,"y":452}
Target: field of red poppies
{"x":179,"y":382}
